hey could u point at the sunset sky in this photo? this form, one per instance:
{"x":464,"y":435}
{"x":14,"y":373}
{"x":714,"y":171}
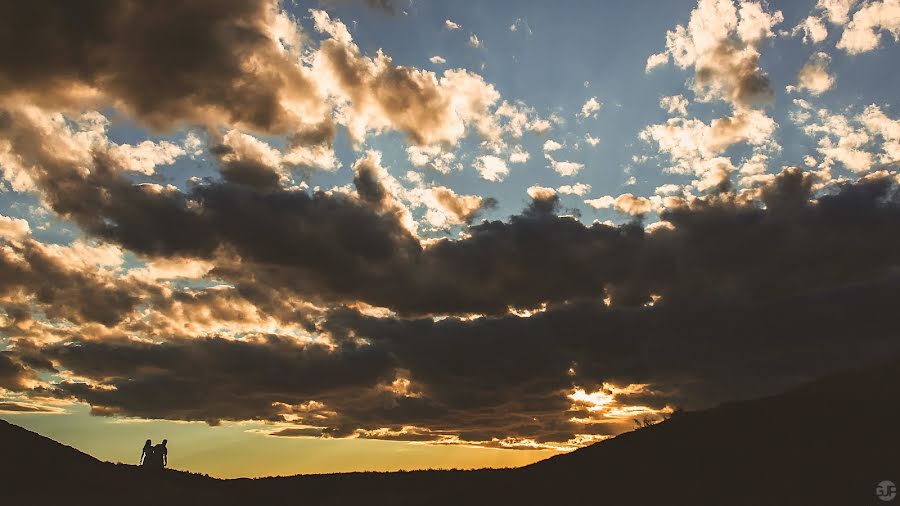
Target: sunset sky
{"x":302,"y":237}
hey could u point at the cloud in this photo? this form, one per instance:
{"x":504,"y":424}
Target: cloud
{"x":626,"y":203}
{"x":590,"y":108}
{"x":551,"y":145}
{"x":218,"y":370}
{"x":541,"y":192}
{"x":603,"y":202}
{"x":165,"y":65}
{"x":695,"y":147}
{"x":451,"y":25}
{"x":13,"y":375}
{"x":814,"y":75}
{"x":862,"y":34}
{"x":457,"y":209}
{"x":437,"y":60}
{"x":574,"y":189}
{"x":374,"y":94}
{"x":433,"y":156}
{"x":13,"y":229}
{"x":244,"y":295}
{"x":73,"y":283}
{"x":721,"y":43}
{"x":519,"y":156}
{"x":877,"y":123}
{"x":851,"y":141}
{"x":246,"y":160}
{"x":475,"y":42}
{"x":564,"y":168}
{"x":674,"y":103}
{"x":667,"y":189}
{"x":404,"y":368}
{"x":491,"y":168}
{"x":813,"y":30}
{"x":837,"y":11}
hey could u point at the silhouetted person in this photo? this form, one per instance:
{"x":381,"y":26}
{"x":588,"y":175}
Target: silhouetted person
{"x":147,"y":454}
{"x":161,"y":454}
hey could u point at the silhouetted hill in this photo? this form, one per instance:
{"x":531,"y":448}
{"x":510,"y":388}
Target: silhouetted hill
{"x":828,"y":442}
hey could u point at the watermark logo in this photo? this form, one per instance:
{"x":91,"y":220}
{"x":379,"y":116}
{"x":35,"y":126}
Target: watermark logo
{"x":886,"y":490}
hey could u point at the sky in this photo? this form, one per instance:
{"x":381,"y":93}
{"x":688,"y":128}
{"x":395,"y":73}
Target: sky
{"x":304,"y":237}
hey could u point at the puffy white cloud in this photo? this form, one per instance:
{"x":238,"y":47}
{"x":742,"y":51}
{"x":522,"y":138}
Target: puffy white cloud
{"x":574,"y":189}
{"x":437,"y":60}
{"x":753,"y":171}
{"x":491,"y":168}
{"x":474,"y":41}
{"x":656,"y":60}
{"x":604,"y":202}
{"x":520,"y":117}
{"x":667,"y":189}
{"x":541,"y":192}
{"x":433,"y":156}
{"x":540,"y":126}
{"x":877,"y":123}
{"x":590,"y":108}
{"x":552,"y":145}
{"x":814,"y":76}
{"x":590,"y":139}
{"x":862,"y":34}
{"x":674,"y":104}
{"x":519,"y":155}
{"x":146,"y":156}
{"x":319,"y":156}
{"x":451,"y":25}
{"x":813,"y":30}
{"x":627,"y":203}
{"x":689,"y":142}
{"x":837,"y":11}
{"x":13,"y":228}
{"x":564,"y":168}
{"x":852,"y":141}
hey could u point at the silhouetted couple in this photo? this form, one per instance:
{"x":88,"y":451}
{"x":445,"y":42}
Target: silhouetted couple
{"x":155,"y":456}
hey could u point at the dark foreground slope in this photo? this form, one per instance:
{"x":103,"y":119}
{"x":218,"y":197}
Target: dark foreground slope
{"x":829,"y":442}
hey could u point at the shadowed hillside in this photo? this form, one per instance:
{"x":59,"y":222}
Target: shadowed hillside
{"x":827,"y":442}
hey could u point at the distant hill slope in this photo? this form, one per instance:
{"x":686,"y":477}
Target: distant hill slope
{"x":827,"y":442}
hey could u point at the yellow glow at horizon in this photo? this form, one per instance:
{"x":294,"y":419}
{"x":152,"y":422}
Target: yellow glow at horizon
{"x":244,"y":450}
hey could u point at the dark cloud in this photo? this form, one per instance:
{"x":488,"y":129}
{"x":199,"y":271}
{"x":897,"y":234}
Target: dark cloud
{"x":339,"y":248}
{"x":246,"y":171}
{"x":298,"y":432}
{"x":14,"y":407}
{"x":368,"y":185}
{"x":165,"y":64}
{"x":736,"y":71}
{"x":30,"y":272}
{"x":13,"y":374}
{"x":495,"y":377}
{"x":213,"y":379}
